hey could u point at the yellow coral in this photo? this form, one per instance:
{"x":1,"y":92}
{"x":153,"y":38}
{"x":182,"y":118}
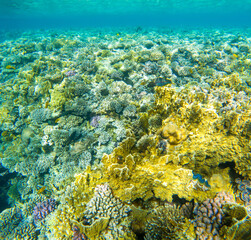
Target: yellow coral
{"x":173,"y":133}
{"x":62,"y":220}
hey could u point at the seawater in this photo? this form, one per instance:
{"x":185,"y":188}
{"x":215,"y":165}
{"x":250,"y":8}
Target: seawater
{"x":114,"y":13}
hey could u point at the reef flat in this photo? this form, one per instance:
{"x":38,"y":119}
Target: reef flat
{"x":126,"y":134}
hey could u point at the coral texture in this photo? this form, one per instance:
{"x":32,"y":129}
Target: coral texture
{"x":209,"y":215}
{"x":166,"y":222}
{"x":103,"y":204}
{"x":104,"y":122}
{"x":9,"y":220}
{"x":42,"y":209}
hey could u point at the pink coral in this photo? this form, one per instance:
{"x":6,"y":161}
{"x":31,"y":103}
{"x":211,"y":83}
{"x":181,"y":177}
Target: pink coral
{"x":208,"y":216}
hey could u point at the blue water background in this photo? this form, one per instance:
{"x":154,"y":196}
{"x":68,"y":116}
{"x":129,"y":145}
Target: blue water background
{"x":82,"y":13}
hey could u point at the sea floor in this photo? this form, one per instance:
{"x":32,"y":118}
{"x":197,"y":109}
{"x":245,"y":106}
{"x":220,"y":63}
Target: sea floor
{"x":125,"y":133}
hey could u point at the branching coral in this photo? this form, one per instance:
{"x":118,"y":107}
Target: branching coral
{"x":166,"y":222}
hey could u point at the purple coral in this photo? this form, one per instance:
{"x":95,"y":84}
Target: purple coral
{"x":70,"y":73}
{"x":208,"y":216}
{"x":42,"y":209}
{"x":244,"y":186}
{"x":95,"y":121}
{"x":77,"y":235}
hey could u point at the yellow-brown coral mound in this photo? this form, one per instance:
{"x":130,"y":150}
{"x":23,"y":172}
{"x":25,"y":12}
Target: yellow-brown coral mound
{"x":202,"y":130}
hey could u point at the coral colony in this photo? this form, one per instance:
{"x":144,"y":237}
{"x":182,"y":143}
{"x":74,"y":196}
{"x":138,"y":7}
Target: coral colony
{"x":209,"y":215}
{"x":137,"y":135}
{"x":42,"y":209}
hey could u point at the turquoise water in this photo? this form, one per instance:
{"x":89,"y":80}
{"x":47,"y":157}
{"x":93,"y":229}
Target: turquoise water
{"x":123,"y":12}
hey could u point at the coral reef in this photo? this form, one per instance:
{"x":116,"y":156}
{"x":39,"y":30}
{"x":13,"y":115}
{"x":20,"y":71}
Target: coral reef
{"x":103,"y":204}
{"x":209,"y":215}
{"x":25,"y":230}
{"x":104,"y":123}
{"x":42,"y":209}
{"x":9,"y":220}
{"x":77,"y":235}
{"x":166,"y":222}
{"x":102,"y":216}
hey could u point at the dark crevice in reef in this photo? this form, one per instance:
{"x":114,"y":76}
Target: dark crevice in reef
{"x":232,"y":173}
{"x":140,"y":236}
{"x":231,"y":165}
{"x":4,"y":187}
{"x":178,"y":201}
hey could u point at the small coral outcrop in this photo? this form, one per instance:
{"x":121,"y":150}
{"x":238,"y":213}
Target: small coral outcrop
{"x":209,"y":215}
{"x":167,"y":222}
{"x":42,"y":209}
{"x":173,"y":133}
{"x":103,"y":204}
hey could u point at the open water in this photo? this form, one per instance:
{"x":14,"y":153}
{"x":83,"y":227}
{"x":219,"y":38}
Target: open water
{"x":77,"y":13}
